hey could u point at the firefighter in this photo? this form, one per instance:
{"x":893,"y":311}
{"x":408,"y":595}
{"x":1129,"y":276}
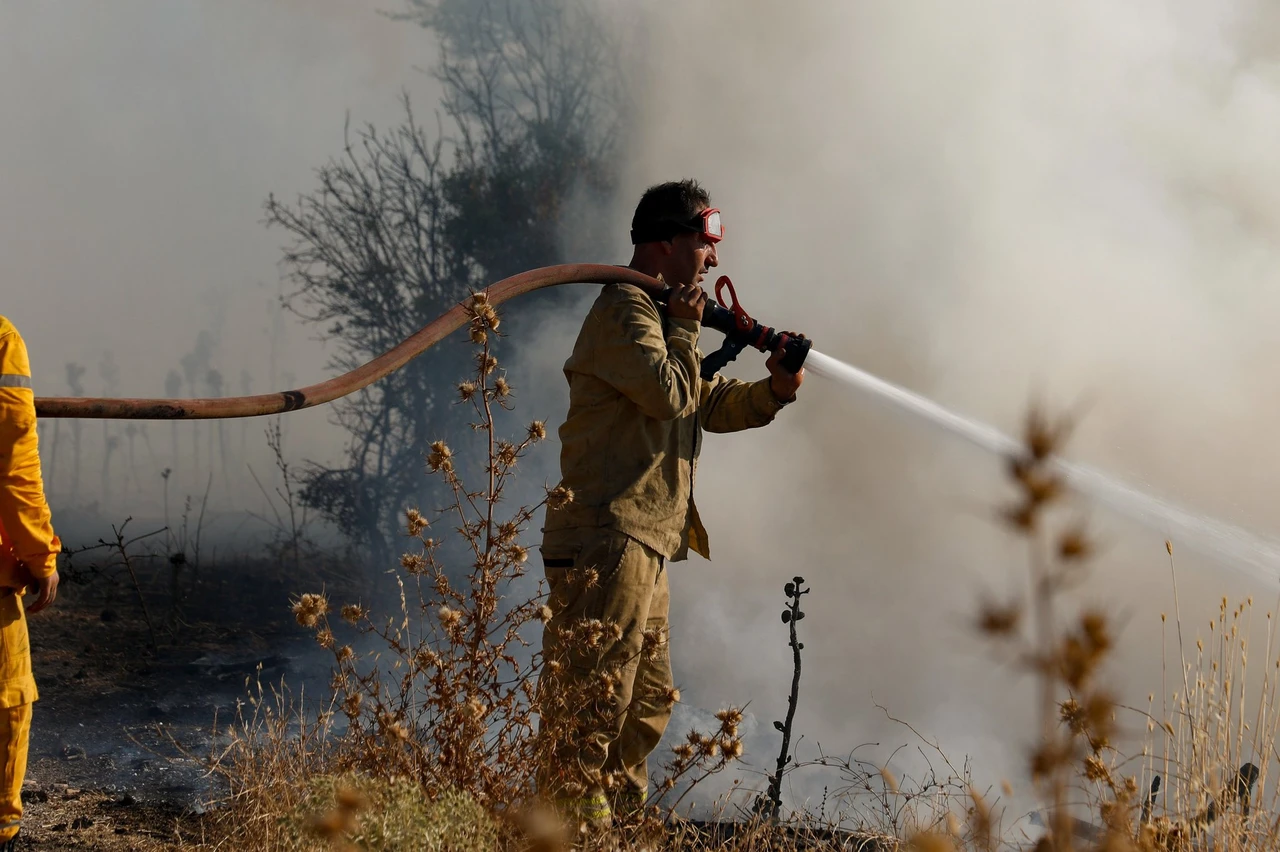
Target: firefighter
{"x":629,"y":452}
{"x":28,"y":560}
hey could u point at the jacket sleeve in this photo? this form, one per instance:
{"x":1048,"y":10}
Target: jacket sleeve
{"x":25,"y":521}
{"x":731,"y":405}
{"x":657,"y":372}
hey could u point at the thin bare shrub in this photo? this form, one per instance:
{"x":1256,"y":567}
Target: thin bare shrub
{"x":445,"y":695}
{"x":446,"y":690}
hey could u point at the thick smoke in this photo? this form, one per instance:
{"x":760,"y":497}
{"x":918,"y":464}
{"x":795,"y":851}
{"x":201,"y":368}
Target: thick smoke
{"x":146,"y":137}
{"x":1070,"y":202}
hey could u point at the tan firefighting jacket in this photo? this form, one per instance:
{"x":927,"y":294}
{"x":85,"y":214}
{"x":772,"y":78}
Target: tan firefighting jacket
{"x":637,"y":409}
{"x":28,"y":546}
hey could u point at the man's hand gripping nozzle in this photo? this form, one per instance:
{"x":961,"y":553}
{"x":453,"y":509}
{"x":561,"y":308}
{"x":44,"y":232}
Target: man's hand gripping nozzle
{"x":741,"y":331}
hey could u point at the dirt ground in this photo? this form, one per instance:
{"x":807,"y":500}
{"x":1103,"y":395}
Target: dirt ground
{"x":123,"y":723}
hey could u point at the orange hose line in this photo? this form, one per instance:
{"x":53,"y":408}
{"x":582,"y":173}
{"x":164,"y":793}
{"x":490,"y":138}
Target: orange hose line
{"x":350,"y":382}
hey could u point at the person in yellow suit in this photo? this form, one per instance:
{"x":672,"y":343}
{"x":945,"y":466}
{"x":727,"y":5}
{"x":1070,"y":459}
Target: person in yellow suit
{"x":28,"y":558}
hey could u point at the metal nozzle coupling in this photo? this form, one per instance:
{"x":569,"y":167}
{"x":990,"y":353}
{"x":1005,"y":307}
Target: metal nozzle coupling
{"x":741,"y":331}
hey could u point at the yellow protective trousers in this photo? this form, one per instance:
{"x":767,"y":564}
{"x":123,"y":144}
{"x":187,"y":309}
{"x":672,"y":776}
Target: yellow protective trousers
{"x":17,"y":692}
{"x":15,"y":734}
{"x":606,"y":691}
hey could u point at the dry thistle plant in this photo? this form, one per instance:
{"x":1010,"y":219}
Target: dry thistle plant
{"x":445,"y":698}
{"x":451,"y":696}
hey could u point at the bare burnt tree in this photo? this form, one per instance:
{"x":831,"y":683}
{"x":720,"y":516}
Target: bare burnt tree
{"x":406,"y":223}
{"x":534,"y":90}
{"x":369,"y":264}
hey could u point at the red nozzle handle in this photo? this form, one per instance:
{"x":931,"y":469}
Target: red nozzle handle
{"x":740,"y":316}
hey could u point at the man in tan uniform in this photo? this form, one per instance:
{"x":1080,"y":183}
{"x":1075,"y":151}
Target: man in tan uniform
{"x":630,"y":445}
{"x":28,"y":558}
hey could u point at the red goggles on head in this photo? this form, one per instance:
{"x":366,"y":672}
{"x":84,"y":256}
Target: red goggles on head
{"x":710,"y":225}
{"x":707,"y":224}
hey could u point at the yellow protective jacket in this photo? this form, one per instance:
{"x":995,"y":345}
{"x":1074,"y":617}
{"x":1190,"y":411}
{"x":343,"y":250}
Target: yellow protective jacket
{"x":28,"y":546}
{"x":637,"y":409}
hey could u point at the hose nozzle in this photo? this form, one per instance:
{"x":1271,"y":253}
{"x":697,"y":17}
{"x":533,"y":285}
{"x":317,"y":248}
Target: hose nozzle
{"x":741,"y":331}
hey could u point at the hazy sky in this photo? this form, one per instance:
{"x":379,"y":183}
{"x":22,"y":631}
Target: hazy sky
{"x":142,"y":140}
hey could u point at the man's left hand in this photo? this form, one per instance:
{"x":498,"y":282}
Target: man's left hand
{"x":784,"y":382}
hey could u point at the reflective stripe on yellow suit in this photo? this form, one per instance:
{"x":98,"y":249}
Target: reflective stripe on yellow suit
{"x":613,"y":736}
{"x":26,"y":527}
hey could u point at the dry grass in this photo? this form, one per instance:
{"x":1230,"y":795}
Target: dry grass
{"x":431,"y":739}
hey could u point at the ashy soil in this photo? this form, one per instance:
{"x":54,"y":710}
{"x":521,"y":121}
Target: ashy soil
{"x":123,"y":724}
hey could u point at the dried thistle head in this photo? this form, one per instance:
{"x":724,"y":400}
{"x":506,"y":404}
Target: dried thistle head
{"x":652,"y":643}
{"x":1022,"y":516}
{"x":501,"y":389}
{"x":1000,"y":619}
{"x":729,"y":717}
{"x":353,"y":613}
{"x":559,"y":497}
{"x":483,"y":314}
{"x":1041,"y":436}
{"x":1095,"y":769}
{"x":309,"y":608}
{"x":449,"y":617}
{"x":1074,"y":544}
{"x":1093,"y":625}
{"x":537,"y":430}
{"x":416,"y":523}
{"x":414,"y":563}
{"x":1072,"y":714}
{"x":486,"y":363}
{"x":507,"y":453}
{"x":466,"y":391}
{"x":440,"y":457}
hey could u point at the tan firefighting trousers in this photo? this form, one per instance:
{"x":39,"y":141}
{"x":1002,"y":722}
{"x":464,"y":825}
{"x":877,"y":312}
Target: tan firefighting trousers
{"x":606,"y":685}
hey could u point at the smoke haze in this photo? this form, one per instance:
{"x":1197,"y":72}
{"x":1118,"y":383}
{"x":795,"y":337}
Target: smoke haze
{"x":144,"y":138}
{"x":1072,"y":200}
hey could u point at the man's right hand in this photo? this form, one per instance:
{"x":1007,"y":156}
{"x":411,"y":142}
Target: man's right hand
{"x":687,"y":301}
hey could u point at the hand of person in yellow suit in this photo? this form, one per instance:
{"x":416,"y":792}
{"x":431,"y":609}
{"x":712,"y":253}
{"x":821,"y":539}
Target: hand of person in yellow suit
{"x":46,"y":592}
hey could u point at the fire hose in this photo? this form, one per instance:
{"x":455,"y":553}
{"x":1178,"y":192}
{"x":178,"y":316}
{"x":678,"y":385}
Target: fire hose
{"x":739,"y":328}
